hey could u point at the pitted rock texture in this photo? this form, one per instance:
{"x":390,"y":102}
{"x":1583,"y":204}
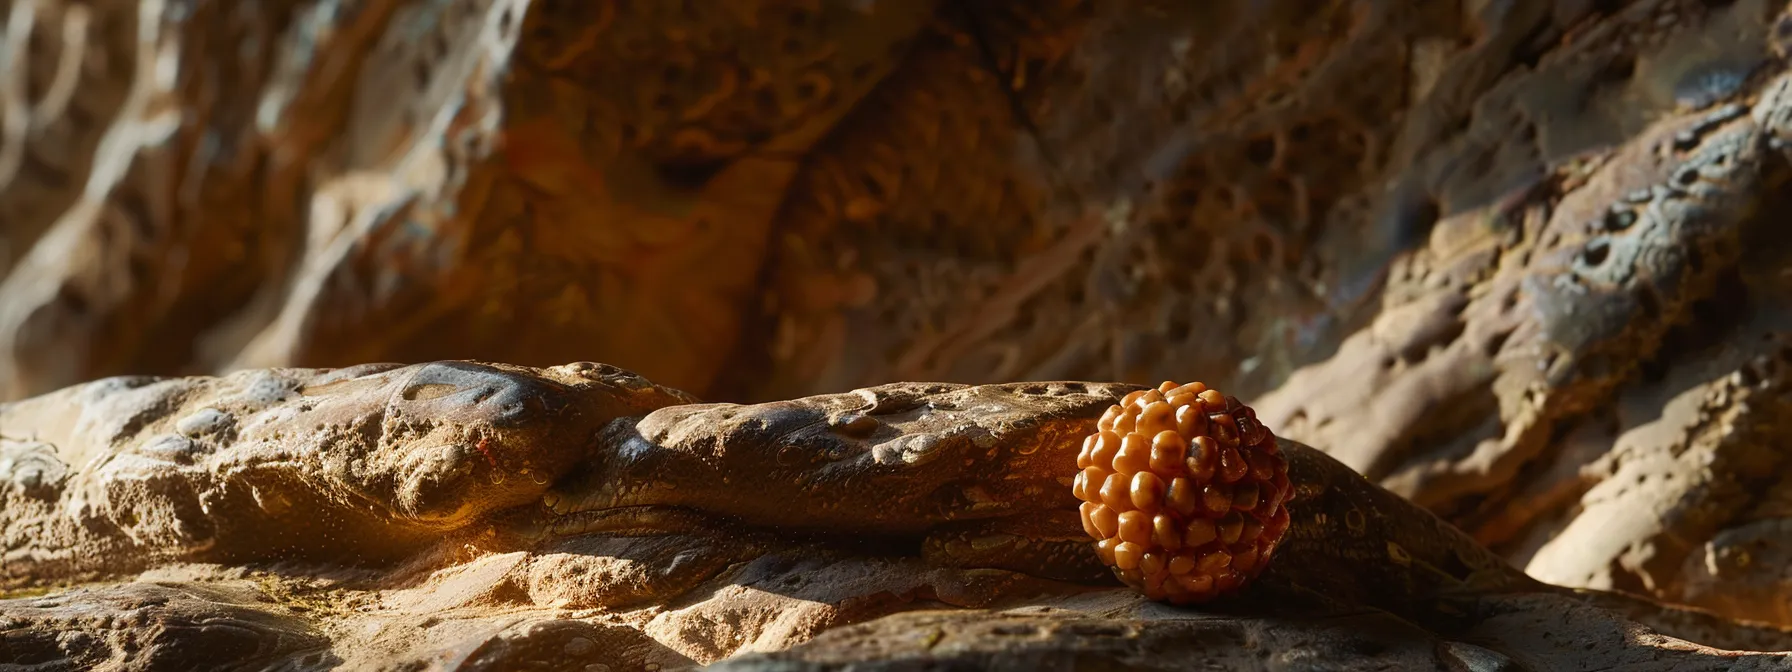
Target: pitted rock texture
{"x":158,"y":625}
{"x":1518,"y":261}
{"x":1138,"y":637}
{"x":609,"y":521}
{"x":355,"y":463}
{"x":1583,"y":376}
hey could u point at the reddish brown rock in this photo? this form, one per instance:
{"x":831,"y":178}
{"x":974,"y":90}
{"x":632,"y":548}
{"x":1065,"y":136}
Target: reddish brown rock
{"x":689,"y":533}
{"x":1517,"y":261}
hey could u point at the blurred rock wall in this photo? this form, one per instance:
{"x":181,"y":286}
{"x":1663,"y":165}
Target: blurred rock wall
{"x":1517,"y":260}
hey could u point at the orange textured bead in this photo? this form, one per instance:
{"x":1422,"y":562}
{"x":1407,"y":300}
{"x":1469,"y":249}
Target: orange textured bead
{"x":1184,"y":492}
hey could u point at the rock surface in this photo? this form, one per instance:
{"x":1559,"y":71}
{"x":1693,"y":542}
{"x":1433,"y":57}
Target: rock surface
{"x":1514,"y":260}
{"x":480,"y":516}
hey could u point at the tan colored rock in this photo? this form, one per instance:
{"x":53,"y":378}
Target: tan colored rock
{"x":594,"y":517}
{"x":1505,"y":258}
{"x":1118,"y":631}
{"x":366,"y":462}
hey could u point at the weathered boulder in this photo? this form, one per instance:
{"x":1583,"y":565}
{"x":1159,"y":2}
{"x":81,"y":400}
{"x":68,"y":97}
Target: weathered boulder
{"x":595,"y":518}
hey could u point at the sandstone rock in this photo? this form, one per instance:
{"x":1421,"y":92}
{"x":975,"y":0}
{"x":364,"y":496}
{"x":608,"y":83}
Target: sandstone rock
{"x":1146,"y":637}
{"x":615,"y":522}
{"x":365,"y":462}
{"x":1517,"y":261}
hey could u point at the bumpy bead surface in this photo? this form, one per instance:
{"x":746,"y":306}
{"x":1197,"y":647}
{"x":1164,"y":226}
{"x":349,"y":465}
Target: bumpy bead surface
{"x":1184,"y":492}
